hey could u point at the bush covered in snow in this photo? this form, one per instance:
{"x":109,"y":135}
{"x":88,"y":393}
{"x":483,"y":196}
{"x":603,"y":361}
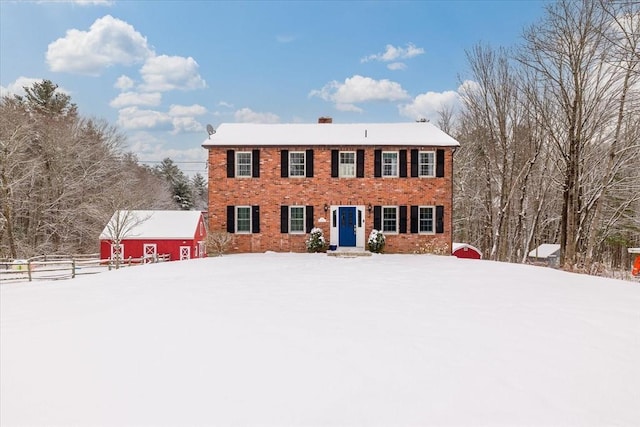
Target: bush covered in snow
{"x":316,"y":241}
{"x":376,"y":241}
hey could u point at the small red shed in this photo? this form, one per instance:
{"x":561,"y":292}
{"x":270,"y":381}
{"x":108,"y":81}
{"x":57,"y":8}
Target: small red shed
{"x":149,"y":233}
{"x":464,"y":250}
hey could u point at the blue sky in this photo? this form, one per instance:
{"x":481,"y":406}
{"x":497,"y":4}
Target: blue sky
{"x":161,"y":70}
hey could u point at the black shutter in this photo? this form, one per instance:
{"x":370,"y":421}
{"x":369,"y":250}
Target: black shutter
{"x":377,"y":163}
{"x":284,"y":219}
{"x":414,"y":163}
{"x":255,"y":219}
{"x":439,"y":219}
{"x":309,"y":165}
{"x":255,"y":158}
{"x":377,"y":217}
{"x":414,"y":219}
{"x":309,"y":218}
{"x":334,"y":163}
{"x":360,"y":164}
{"x":284,"y":163}
{"x":231,"y":219}
{"x":231,"y":164}
{"x":403,"y":219}
{"x":403,"y":163}
{"x":439,"y":163}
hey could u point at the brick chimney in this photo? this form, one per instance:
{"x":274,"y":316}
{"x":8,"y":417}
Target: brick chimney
{"x":325,"y":120}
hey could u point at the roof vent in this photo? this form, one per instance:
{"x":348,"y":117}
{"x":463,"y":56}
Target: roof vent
{"x":325,"y":120}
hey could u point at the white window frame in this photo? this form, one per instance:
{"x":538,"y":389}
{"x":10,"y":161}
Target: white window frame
{"x":426,"y":164}
{"x":291,"y":219}
{"x":393,"y":173}
{"x":298,"y":155}
{"x":240,"y":173}
{"x":383,"y":224}
{"x":433,"y":219}
{"x":346,"y":170}
{"x":237,"y":219}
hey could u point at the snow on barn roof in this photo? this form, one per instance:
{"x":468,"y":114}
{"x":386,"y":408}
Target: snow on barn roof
{"x":455,"y":246}
{"x":149,"y":224}
{"x":544,"y":250}
{"x":255,"y":134}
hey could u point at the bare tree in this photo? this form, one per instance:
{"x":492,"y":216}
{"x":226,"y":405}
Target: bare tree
{"x":567,"y":53}
{"x":62,"y":176}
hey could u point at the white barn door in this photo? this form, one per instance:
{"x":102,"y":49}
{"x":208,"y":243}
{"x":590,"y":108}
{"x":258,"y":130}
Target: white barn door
{"x":150,"y":252}
{"x":185,"y":252}
{"x":117,"y":251}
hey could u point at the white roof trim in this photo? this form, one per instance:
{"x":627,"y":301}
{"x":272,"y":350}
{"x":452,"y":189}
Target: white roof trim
{"x":299,"y":134}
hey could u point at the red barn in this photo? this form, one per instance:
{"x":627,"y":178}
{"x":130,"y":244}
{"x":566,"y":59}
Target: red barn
{"x":146,"y":234}
{"x":464,"y":250}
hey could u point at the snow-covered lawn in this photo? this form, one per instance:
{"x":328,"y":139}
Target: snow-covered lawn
{"x":312,"y":340}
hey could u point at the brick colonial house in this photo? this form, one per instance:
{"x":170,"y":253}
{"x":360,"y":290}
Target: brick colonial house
{"x":269,"y":184}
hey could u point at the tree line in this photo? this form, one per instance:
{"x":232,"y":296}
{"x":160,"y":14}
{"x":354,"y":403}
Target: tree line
{"x":62,"y":176}
{"x":550,"y":138}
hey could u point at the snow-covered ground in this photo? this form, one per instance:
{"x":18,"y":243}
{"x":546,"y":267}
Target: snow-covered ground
{"x":312,"y":340}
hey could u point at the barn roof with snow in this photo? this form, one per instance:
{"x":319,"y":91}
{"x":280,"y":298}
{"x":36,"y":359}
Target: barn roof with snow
{"x":257,"y":134}
{"x":545,"y":250}
{"x":151,"y":224}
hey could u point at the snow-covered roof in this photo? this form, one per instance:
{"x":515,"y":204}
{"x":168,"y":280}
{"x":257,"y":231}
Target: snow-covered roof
{"x":455,"y":246}
{"x":153,"y":224}
{"x":404,"y":134}
{"x":545,"y":250}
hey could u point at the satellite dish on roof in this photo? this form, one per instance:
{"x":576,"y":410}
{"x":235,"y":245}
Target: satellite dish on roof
{"x":210,"y":130}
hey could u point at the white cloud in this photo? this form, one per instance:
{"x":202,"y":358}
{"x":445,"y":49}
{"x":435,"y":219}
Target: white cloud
{"x":108,"y":42}
{"x":186,"y":124}
{"x":393,"y":53}
{"x":180,"y":118}
{"x":147,"y":147}
{"x":135,"y":118}
{"x":427,"y":105}
{"x":359,"y":89}
{"x":124,"y":83}
{"x":163,"y":73}
{"x":246,"y":115}
{"x":186,"y":110}
{"x":125,"y":99}
{"x":17,"y":87}
{"x":225,"y":104}
{"x":397,"y":66}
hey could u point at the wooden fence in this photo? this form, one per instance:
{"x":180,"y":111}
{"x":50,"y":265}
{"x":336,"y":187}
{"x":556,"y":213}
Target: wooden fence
{"x":55,"y":267}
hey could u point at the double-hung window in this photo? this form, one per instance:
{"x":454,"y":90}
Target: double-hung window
{"x":426,"y":217}
{"x":427,"y":163}
{"x":390,"y":163}
{"x":390,"y":219}
{"x":243,"y":164}
{"x":347,"y":164}
{"x":297,"y":164}
{"x":243,"y":219}
{"x":296,"y":219}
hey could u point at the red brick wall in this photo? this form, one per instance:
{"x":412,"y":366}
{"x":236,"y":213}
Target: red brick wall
{"x":270,"y":191}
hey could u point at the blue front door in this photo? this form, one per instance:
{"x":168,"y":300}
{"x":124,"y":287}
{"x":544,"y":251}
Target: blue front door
{"x":347,"y":226}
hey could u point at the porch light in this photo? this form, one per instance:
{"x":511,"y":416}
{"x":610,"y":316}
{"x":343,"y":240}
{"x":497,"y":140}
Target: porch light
{"x":326,"y":207}
{"x":369,"y":208}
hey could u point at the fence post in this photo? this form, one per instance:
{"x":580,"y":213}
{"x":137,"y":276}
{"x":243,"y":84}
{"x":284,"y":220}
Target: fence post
{"x":29,"y":269}
{"x":73,"y":268}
